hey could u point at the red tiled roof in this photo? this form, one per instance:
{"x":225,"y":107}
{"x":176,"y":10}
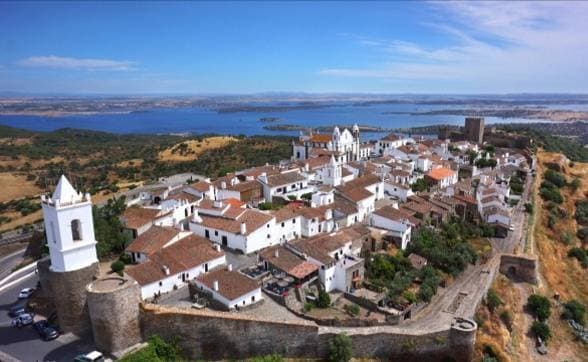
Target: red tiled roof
{"x":183,"y":255}
{"x":440,"y":173}
{"x":288,"y":262}
{"x":231,"y":284}
{"x":152,"y":240}
{"x":136,"y":217}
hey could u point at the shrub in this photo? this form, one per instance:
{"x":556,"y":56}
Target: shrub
{"x":125,"y":258}
{"x":575,"y":184}
{"x":555,"y":178}
{"x":506,"y":318}
{"x":541,"y":330}
{"x":529,"y":208}
{"x":340,"y":349}
{"x":306,"y":196}
{"x":567,"y":238}
{"x":118,"y":267}
{"x":409,"y":296}
{"x":539,"y":306}
{"x":292,"y":197}
{"x":308,"y":307}
{"x":574,"y":310}
{"x":157,"y":350}
{"x":493,"y":301}
{"x":581,"y":254}
{"x":324,"y":300}
{"x":583,"y":234}
{"x":269,"y":358}
{"x":352,"y":309}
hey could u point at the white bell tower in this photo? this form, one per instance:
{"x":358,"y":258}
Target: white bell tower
{"x":69,"y":227}
{"x":333,"y":173}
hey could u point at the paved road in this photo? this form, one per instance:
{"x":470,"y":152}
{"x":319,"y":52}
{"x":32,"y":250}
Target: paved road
{"x":24,"y":344}
{"x":8,"y":262}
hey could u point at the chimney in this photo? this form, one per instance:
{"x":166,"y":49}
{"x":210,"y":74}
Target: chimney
{"x":243,"y":228}
{"x":329,"y":214}
{"x":217,"y":247}
{"x":234,"y":181}
{"x":215,"y":285}
{"x":276,"y":253}
{"x":196,"y":217}
{"x":165,"y":270}
{"x":218,"y":204}
{"x":230,"y":267}
{"x":223,"y":185}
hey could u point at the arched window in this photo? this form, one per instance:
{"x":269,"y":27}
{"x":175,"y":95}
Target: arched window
{"x":76,"y":230}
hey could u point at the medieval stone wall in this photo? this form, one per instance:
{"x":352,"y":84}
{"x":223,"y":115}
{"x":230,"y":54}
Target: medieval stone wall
{"x":216,"y":335}
{"x":113,"y":305}
{"x":519,"y":267}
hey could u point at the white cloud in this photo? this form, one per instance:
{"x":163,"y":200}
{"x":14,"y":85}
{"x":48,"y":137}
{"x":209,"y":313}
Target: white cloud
{"x":494,"y":46}
{"x":52,"y":61}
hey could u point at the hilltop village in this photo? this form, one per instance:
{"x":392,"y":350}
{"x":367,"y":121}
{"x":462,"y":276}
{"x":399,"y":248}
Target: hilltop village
{"x":336,"y":236}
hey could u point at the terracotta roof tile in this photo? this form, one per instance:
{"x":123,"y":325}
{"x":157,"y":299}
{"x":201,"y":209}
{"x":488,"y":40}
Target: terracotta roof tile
{"x":136,"y":217}
{"x":288,"y":262}
{"x":152,"y":240}
{"x":231,"y":284}
{"x":180,"y":256}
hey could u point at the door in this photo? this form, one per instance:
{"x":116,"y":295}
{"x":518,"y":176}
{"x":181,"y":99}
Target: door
{"x":207,"y":234}
{"x":225,"y":241}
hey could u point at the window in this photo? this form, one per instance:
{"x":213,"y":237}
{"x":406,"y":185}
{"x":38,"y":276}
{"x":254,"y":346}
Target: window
{"x":268,"y":236}
{"x":53,"y":232}
{"x":267,"y":226}
{"x":293,"y":221}
{"x":283,"y":224}
{"x":207,"y":233}
{"x":216,"y":233}
{"x":160,"y":284}
{"x":76,"y":230}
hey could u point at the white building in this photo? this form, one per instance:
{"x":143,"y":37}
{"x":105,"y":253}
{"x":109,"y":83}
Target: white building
{"x":345,"y":145}
{"x":246,"y":230}
{"x":230,"y":288}
{"x":395,"y":221}
{"x":69,"y":227}
{"x":290,"y":183}
{"x":400,"y":191}
{"x":175,"y":265}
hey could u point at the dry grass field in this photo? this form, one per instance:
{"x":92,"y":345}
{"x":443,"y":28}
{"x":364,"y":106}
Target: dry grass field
{"x":193,"y":148}
{"x":15,"y":186}
{"x":558,"y":274}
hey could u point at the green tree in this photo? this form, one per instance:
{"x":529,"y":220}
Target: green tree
{"x":539,"y":306}
{"x":118,"y":267}
{"x":541,"y":330}
{"x":574,"y":310}
{"x":419,"y":185}
{"x":324,"y":300}
{"x":340,"y":349}
{"x":493,"y":301}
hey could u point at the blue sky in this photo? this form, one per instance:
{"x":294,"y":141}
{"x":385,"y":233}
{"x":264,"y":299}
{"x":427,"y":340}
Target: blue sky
{"x":248,"y":47}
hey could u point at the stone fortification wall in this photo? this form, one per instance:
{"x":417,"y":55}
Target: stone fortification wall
{"x":215,"y":335}
{"x":68,"y":290}
{"x":520,"y":267}
{"x":113,"y":305}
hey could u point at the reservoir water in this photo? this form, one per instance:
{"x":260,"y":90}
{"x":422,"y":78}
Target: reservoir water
{"x":201,"y":120}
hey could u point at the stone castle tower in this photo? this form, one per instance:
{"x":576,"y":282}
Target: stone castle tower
{"x":108,"y":307}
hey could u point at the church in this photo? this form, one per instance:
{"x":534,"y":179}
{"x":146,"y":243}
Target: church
{"x":344,"y":146}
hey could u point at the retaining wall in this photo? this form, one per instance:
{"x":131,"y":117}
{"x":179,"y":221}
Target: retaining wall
{"x":215,"y":335}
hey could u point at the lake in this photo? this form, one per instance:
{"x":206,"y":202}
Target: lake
{"x":201,"y":120}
